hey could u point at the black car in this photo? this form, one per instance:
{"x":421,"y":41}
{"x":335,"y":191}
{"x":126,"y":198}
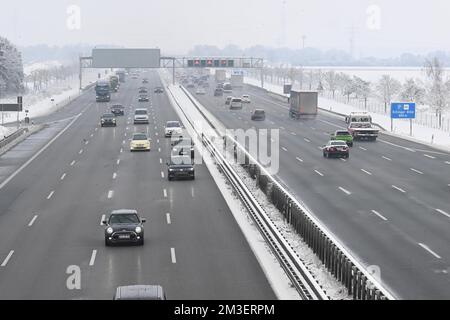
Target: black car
{"x":117,"y":110}
{"x":259,"y":115}
{"x":218,"y":92}
{"x":143,"y":98}
{"x":124,"y":226}
{"x":145,"y":81}
{"x":143,"y":90}
{"x":180,"y":166}
{"x":108,"y":119}
{"x":158,"y":90}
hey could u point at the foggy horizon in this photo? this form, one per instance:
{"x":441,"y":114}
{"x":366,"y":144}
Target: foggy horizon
{"x":363,"y":28}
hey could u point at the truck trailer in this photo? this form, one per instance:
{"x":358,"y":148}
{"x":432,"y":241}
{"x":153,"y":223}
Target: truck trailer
{"x":303,"y":104}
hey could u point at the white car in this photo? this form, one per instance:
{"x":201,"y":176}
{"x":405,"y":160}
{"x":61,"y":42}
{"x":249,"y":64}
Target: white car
{"x":140,"y":116}
{"x":172,"y":127}
{"x":245,"y":98}
{"x":236,"y":103}
{"x":200,"y":91}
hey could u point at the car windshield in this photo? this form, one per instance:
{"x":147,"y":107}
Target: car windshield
{"x":108,"y":115}
{"x":117,"y":106}
{"x":140,"y":112}
{"x":180,"y":160}
{"x":342,"y":133}
{"x":140,"y":136}
{"x":123,"y":218}
{"x":236,"y":100}
{"x":173,"y":124}
{"x":338,"y":143}
{"x":259,"y":111}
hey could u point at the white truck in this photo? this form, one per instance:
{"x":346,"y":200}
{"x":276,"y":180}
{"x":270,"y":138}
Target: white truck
{"x":303,"y":104}
{"x":220,"y":76}
{"x":363,"y":131}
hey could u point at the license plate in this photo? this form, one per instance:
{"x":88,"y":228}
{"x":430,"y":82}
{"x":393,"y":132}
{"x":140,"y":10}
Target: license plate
{"x":124,"y":236}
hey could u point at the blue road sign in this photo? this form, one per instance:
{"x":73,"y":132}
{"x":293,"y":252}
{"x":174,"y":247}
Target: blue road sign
{"x":403,"y":110}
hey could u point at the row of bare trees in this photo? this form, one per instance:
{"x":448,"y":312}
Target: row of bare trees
{"x":40,"y":79}
{"x":434,"y":91}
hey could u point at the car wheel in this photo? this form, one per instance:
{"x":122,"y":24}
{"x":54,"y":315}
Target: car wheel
{"x":107,"y":244}
{"x":351,"y":144}
{"x":193,"y":177}
{"x":141,"y":243}
{"x":169,"y":178}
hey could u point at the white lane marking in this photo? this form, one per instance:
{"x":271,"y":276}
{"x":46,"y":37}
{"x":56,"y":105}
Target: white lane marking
{"x":342,"y":159}
{"x":121,"y":150}
{"x":424,"y":246}
{"x":63,"y":176}
{"x":319,"y":173}
{"x":72,"y":163}
{"x":7,"y":180}
{"x":160,"y":160}
{"x":307,"y":140}
{"x":313,"y":128}
{"x":165,"y":193}
{"x":5,"y":262}
{"x":92,"y":261}
{"x":110,"y":194}
{"x":272,"y":139}
{"x":363,"y":148}
{"x":80,"y":152}
{"x":92,"y":135}
{"x":126,"y":128}
{"x":102,"y":218}
{"x":299,"y":159}
{"x":293,"y":133}
{"x":326,"y":133}
{"x":386,"y":158}
{"x":379,"y":215}
{"x":159,"y":149}
{"x":345,"y":191}
{"x":33,"y":220}
{"x":282,"y":128}
{"x":428,"y":156}
{"x":125,"y":134}
{"x":156,"y":133}
{"x":396,"y":145}
{"x":443,"y":213}
{"x":96,"y":129}
{"x":284,"y":149}
{"x":367,"y":172}
{"x":399,"y":189}
{"x":168,"y":218}
{"x":157,"y":140}
{"x":172,"y":255}
{"x":271,"y":122}
{"x":50,"y":194}
{"x":416,"y":171}
{"x":162,"y":174}
{"x":114,"y":175}
{"x":447,"y":162}
{"x":118,"y":161}
{"x":86,"y":142}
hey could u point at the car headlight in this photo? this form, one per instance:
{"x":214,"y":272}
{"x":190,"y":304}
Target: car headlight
{"x":138,"y":229}
{"x":109,"y":230}
{"x":191,"y":169}
{"x":171,"y":169}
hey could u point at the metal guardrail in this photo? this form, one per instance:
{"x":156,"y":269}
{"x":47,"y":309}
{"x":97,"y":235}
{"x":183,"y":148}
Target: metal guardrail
{"x":360,"y":284}
{"x":304,"y":283}
{"x":7,"y":140}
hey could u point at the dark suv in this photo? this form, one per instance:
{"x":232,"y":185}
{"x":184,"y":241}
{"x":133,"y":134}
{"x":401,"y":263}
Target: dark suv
{"x":117,"y":110}
{"x":259,"y":115}
{"x":180,"y":166}
{"x":108,"y":119}
{"x":124,"y":226}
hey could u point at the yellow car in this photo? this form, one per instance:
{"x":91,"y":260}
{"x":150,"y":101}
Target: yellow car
{"x":139,"y":142}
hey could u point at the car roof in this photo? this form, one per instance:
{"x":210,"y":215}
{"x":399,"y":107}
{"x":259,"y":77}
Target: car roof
{"x":124,"y":211}
{"x":140,"y":292}
{"x":140,"y":109}
{"x":173,"y":121}
{"x":337,"y":142}
{"x":139,"y":133}
{"x":108,"y":114}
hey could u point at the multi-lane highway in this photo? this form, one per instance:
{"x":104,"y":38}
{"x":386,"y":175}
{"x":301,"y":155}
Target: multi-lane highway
{"x":70,"y":174}
{"x":388,"y":203}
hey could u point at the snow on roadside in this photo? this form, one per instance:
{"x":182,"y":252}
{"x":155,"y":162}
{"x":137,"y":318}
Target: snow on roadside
{"x":5,"y":131}
{"x":401,"y":128}
{"x":333,"y":288}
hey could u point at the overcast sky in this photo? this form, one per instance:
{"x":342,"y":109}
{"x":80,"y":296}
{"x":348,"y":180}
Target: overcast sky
{"x":380,"y":28}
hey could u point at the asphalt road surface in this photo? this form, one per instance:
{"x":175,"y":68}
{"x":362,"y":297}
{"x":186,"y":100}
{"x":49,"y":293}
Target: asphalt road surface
{"x":50,"y":212}
{"x":388,"y":203}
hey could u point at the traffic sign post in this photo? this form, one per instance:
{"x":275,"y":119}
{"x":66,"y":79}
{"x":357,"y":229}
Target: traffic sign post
{"x":403,"y":110}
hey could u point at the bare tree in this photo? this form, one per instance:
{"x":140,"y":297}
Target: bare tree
{"x":438,"y":89}
{"x":331,"y":81}
{"x":412,"y":91}
{"x":362,"y":89}
{"x":387,"y":88}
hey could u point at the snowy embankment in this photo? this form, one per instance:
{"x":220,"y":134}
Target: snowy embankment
{"x":61,"y":92}
{"x":401,"y":128}
{"x":5,"y":131}
{"x":276,"y":276}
